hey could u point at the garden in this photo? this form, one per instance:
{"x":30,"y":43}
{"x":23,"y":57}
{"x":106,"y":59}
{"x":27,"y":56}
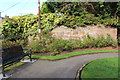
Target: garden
{"x":16,"y":30}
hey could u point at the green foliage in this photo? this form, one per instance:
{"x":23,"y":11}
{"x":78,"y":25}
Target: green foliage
{"x":77,"y":44}
{"x":37,"y":46}
{"x":101,"y":68}
{"x":83,"y":19}
{"x":28,"y":23}
{"x":87,"y":19}
{"x":19,"y":27}
{"x":88,"y":41}
{"x":118,"y":9}
{"x":45,"y":8}
{"x":99,"y":41}
{"x":51,"y":20}
{"x":68,"y":8}
{"x":55,"y":46}
{"x":110,"y":41}
{"x":48,"y":44}
{"x":8,"y":44}
{"x":110,"y":22}
{"x":10,"y":30}
{"x":42,"y":44}
{"x":59,"y":45}
{"x":68,"y":55}
{"x":85,"y":13}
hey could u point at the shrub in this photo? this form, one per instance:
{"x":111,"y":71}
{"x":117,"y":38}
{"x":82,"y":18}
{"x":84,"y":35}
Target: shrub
{"x":76,"y":44}
{"x":55,"y":46}
{"x":46,"y":36}
{"x":111,"y":41}
{"x":50,"y":21}
{"x":109,"y":21}
{"x":99,"y":41}
{"x":69,"y":45}
{"x":8,"y":44}
{"x":37,"y":46}
{"x":19,"y":27}
{"x":87,"y":19}
{"x":88,"y":41}
{"x":59,"y":45}
{"x":41,"y":45}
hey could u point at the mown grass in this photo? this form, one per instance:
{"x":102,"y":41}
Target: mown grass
{"x":70,"y":54}
{"x":13,"y":66}
{"x":101,"y":68}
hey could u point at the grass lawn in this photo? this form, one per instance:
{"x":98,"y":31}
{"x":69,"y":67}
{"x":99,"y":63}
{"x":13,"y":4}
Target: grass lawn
{"x":13,"y":66}
{"x":70,"y":54}
{"x":101,"y":68}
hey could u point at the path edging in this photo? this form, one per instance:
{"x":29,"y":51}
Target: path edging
{"x":79,"y":72}
{"x":78,"y":75}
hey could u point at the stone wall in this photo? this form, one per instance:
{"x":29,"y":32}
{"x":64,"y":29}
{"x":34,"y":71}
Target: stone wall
{"x":93,"y":30}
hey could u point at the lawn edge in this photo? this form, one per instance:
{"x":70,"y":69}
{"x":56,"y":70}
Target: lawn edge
{"x":64,"y":56}
{"x":79,"y":71}
{"x":78,"y":75}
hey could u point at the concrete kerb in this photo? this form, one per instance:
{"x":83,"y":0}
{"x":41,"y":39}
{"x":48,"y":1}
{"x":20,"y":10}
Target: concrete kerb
{"x":78,"y":75}
{"x":27,"y":60}
{"x":79,"y":72}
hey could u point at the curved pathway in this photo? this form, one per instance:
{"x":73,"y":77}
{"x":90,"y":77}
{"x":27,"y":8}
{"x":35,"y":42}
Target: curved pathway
{"x":66,"y":68}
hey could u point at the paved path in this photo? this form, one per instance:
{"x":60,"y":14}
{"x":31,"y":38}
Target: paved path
{"x":66,"y":68}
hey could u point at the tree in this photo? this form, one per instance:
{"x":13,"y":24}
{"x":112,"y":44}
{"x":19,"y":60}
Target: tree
{"x":108,"y":9}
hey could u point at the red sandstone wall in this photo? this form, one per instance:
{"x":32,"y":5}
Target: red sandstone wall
{"x":68,"y":33}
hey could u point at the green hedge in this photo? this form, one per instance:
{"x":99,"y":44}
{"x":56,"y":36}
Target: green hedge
{"x":55,"y":46}
{"x":19,"y":27}
{"x":8,"y":44}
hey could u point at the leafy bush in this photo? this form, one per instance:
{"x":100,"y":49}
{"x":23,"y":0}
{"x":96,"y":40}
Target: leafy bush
{"x":19,"y":27}
{"x":42,"y":44}
{"x":99,"y":41}
{"x":37,"y":46}
{"x":87,"y":19}
{"x":50,"y":21}
{"x":59,"y":45}
{"x":88,"y":41}
{"x":55,"y":46}
{"x":76,"y":44}
{"x":111,"y":41}
{"x":8,"y":44}
{"x":109,"y":21}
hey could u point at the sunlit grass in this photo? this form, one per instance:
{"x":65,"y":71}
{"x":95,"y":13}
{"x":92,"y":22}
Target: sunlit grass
{"x":71,"y":54}
{"x":101,"y":68}
{"x":13,"y":66}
